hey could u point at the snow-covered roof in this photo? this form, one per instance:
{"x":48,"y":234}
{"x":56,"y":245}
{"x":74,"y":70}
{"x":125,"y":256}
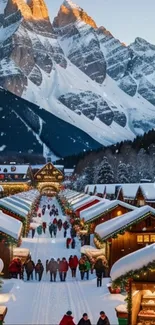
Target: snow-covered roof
{"x":133,"y":261}
{"x":85,"y":200}
{"x":129,"y":190}
{"x":14,"y":169}
{"x":77,"y":198}
{"x":21,"y":251}
{"x":14,"y":207}
{"x":148,"y":190}
{"x":10,"y":226}
{"x":90,"y":188}
{"x":99,"y":188}
{"x":69,"y":171}
{"x":110,"y":189}
{"x":101,"y":207}
{"x":17,"y":202}
{"x":113,"y":226}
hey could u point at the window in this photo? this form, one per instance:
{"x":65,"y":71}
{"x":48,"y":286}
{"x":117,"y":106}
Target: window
{"x":146,"y":238}
{"x":152,"y":238}
{"x":140,"y":239}
{"x":13,"y":168}
{"x":140,"y":203}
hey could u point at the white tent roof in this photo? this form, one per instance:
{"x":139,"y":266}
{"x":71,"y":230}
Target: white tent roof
{"x":10,"y":226}
{"x":77,"y":198}
{"x":129,"y":190}
{"x":101,"y":207}
{"x":133,"y":261}
{"x":85,"y":200}
{"x":148,"y":189}
{"x":20,"y":169}
{"x":99,"y":188}
{"x":110,"y":227}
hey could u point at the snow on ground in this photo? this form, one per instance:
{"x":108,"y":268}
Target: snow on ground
{"x":45,"y":302}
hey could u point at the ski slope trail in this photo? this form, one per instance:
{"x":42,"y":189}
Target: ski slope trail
{"x":46,"y":302}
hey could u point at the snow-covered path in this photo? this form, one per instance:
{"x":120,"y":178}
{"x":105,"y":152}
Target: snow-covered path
{"x":45,"y":302}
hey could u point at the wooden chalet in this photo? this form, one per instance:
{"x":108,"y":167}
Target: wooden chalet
{"x":103,"y":211}
{"x":48,"y":179}
{"x":10,"y":236}
{"x":145,"y":195}
{"x":127,"y":233}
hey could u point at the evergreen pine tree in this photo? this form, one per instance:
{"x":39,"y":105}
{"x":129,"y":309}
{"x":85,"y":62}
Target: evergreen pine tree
{"x":106,"y":174}
{"x":122,"y":173}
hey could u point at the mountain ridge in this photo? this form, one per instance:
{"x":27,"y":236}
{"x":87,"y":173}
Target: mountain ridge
{"x":77,"y":71}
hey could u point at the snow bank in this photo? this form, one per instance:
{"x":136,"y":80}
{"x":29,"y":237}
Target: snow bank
{"x":133,"y":261}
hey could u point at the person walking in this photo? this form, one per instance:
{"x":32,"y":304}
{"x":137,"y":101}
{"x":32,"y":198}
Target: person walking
{"x":63,"y":268}
{"x":99,"y":268}
{"x":82,"y":267}
{"x":29,"y":268}
{"x":67,"y":319}
{"x":65,"y":233}
{"x":73,"y":263}
{"x":87,"y":268}
{"x":84,"y":320}
{"x":33,"y":232}
{"x":39,"y":269}
{"x":52,"y":267}
{"x":59,"y":224}
{"x":73,"y":244}
{"x":68,"y":242}
{"x":103,"y":319}
{"x":44,"y":227}
{"x":55,"y":229}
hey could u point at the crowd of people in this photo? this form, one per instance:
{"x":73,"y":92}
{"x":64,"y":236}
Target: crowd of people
{"x":69,"y":320}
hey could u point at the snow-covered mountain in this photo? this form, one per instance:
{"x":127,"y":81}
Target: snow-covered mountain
{"x":76,"y":71}
{"x":26,"y":128}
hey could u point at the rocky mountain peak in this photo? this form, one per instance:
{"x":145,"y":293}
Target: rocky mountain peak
{"x":38,"y":9}
{"x":70,"y":13}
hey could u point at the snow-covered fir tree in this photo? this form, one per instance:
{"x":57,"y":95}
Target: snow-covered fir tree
{"x":106,"y":174}
{"x":122,"y":173}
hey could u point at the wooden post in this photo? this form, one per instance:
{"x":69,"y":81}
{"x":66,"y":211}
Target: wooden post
{"x":130,"y":301}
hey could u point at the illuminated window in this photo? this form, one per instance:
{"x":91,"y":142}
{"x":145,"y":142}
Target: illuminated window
{"x":139,"y":239}
{"x":152,"y":238}
{"x":146,"y":238}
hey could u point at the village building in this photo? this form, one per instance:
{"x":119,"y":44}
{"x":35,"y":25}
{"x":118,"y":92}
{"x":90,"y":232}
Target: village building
{"x":48,"y":179}
{"x":103,"y":211}
{"x":126,"y":234}
{"x":15,"y":178}
{"x":10,"y":236}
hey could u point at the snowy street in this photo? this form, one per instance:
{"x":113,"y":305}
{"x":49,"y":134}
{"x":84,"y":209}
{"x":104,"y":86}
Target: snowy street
{"x":45,"y":302}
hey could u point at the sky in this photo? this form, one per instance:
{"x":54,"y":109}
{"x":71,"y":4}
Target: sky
{"x":125,"y":19}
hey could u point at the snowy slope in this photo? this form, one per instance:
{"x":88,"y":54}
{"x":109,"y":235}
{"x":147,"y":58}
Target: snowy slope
{"x":133,"y":261}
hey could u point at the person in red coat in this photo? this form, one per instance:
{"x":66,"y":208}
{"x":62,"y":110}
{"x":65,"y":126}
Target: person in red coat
{"x":68,"y":242}
{"x":67,"y":319}
{"x":55,"y":221}
{"x":63,"y":268}
{"x":44,"y":227}
{"x":15,"y":268}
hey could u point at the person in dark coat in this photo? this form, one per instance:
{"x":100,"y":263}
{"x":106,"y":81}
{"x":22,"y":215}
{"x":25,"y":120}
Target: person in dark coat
{"x":33,"y":232}
{"x":67,"y":319}
{"x":59,"y":224}
{"x":99,"y":268}
{"x":39,"y":269}
{"x":82,"y":268}
{"x":29,"y":268}
{"x":84,"y":320}
{"x":65,"y":233}
{"x":55,"y":229}
{"x":73,"y":243}
{"x":52,"y":267}
{"x":103,"y":320}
